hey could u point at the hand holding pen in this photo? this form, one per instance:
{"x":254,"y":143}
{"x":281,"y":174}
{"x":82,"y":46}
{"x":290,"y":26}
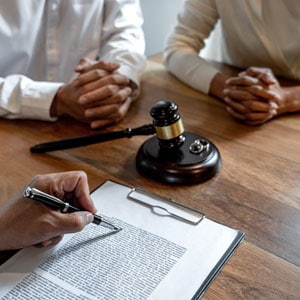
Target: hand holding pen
{"x":25,"y":222}
{"x":62,"y":206}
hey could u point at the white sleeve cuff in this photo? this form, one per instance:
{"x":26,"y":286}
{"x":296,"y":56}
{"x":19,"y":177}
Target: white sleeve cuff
{"x":37,"y":99}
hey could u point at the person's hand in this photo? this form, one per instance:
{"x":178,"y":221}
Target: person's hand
{"x":66,"y":100}
{"x":24,"y":222}
{"x":99,"y":95}
{"x":254,"y":96}
{"x":107,"y":95}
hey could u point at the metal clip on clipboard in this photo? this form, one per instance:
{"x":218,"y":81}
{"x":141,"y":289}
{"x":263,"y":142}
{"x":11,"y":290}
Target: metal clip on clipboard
{"x":166,"y":207}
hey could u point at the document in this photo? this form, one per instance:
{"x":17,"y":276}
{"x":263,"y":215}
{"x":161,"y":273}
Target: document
{"x":153,"y":256}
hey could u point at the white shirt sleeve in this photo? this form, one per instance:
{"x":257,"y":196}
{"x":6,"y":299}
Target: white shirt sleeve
{"x":21,"y":97}
{"x":44,"y":44}
{"x":123,"y":38}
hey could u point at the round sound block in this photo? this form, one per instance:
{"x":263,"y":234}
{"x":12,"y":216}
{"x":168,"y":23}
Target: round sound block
{"x":197,"y":160}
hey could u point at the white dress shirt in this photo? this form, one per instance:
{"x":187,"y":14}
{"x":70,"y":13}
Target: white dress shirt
{"x":262,"y":33}
{"x":43,"y":40}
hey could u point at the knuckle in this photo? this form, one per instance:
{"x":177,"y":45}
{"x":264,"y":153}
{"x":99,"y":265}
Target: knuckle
{"x":98,"y":73}
{"x":251,"y":105}
{"x":119,"y":97}
{"x":111,"y":88}
{"x":79,"y":174}
{"x":49,"y":223}
{"x":75,"y":222}
{"x":82,"y":174}
{"x":78,"y":223}
{"x":119,"y":114}
{"x":116,"y":112}
{"x":114,"y":79}
{"x":84,"y":90}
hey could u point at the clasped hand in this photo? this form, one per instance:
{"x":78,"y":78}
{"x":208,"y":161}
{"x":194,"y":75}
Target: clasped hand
{"x":254,"y":96}
{"x":99,"y":95}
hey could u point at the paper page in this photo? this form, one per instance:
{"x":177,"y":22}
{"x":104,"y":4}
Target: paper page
{"x":149,"y":258}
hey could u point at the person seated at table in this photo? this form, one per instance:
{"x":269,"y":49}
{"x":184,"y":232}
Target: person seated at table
{"x":259,"y":37}
{"x":81,"y":59}
{"x":25,"y":222}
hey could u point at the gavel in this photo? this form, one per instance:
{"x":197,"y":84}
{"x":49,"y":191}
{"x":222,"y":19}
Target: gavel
{"x":172,"y":156}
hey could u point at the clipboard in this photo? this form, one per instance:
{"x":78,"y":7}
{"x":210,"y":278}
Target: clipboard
{"x":166,"y":207}
{"x":185,"y":246}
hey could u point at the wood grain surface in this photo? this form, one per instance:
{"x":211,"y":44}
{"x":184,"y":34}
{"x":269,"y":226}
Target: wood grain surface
{"x":256,"y":191}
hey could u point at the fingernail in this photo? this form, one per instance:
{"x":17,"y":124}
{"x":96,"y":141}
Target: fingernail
{"x":88,"y":113}
{"x":273,"y":105}
{"x":82,"y":100}
{"x":89,"y":218}
{"x":226,"y":91}
{"x":47,"y":243}
{"x":226,"y":99}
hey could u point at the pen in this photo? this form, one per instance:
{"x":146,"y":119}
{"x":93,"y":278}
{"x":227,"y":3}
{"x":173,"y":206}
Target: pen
{"x":64,"y":207}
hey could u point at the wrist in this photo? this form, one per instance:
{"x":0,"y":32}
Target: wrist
{"x":53,"y":111}
{"x":56,"y":106}
{"x":217,"y":85}
{"x":291,"y":100}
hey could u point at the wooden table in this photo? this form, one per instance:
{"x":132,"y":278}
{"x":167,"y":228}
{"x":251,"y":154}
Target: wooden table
{"x":256,"y":191}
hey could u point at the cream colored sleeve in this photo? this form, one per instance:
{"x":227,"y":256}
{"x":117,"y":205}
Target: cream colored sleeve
{"x":181,"y":55}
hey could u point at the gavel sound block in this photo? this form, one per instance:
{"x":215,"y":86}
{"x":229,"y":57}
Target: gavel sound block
{"x":173,"y":155}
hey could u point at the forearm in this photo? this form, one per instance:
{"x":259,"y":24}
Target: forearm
{"x":190,"y":69}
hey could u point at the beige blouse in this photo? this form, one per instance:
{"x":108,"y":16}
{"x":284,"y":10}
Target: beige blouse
{"x":262,"y":33}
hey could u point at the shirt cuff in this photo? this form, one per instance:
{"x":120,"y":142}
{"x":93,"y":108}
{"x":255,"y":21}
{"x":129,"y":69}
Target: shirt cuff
{"x":37,"y":99}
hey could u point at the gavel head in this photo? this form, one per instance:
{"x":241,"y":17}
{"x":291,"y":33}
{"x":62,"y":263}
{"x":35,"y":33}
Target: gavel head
{"x":168,"y":125}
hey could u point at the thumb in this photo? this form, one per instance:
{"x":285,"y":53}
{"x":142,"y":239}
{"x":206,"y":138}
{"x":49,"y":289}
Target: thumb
{"x":75,"y":221}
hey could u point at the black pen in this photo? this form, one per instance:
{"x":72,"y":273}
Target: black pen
{"x":64,"y":207}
